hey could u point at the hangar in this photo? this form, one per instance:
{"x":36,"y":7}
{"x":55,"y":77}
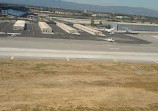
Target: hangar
{"x":88,"y":29}
{"x":45,"y":28}
{"x":19,"y":25}
{"x":67,"y":28}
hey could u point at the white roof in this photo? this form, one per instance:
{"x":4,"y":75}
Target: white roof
{"x":20,"y":23}
{"x":44,"y":25}
{"x":137,"y":24}
{"x":132,"y":23}
{"x":66,"y":26}
{"x":88,"y":28}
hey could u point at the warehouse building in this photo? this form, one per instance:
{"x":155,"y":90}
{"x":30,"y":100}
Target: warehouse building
{"x":138,"y":27}
{"x":88,"y":29}
{"x":132,"y":26}
{"x":75,"y":21}
{"x":19,"y":25}
{"x":67,"y":28}
{"x":45,"y":28}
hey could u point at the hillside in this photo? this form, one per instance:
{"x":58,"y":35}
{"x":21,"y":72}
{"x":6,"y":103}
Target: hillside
{"x":75,"y":6}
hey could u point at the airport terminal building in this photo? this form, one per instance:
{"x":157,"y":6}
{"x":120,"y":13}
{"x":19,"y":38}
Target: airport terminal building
{"x":132,"y":26}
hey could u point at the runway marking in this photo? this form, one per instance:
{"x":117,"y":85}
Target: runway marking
{"x":68,"y":60}
{"x":5,"y":27}
{"x":156,"y":62}
{"x":115,"y":60}
{"x":12,"y":58}
{"x":115,"y":48}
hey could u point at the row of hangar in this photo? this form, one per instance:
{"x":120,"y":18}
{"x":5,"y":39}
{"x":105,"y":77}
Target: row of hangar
{"x":46,"y":29}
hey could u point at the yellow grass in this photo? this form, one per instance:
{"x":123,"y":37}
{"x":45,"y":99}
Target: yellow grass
{"x":79,"y":86}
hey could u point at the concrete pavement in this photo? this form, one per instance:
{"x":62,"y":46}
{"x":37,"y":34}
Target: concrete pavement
{"x":74,"y":55}
{"x":78,"y":50}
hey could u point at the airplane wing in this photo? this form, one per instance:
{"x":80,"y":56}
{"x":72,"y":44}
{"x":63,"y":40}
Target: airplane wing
{"x":2,"y":33}
{"x":110,"y":30}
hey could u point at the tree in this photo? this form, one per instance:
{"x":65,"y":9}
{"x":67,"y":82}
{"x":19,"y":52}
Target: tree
{"x":100,"y":23}
{"x":85,"y":14}
{"x":92,"y":22}
{"x":108,"y":26}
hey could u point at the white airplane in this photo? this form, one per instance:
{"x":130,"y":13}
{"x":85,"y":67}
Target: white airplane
{"x":103,"y":35}
{"x":80,"y":30}
{"x":14,"y":34}
{"x":2,"y":33}
{"x":111,"y":31}
{"x":77,"y":34}
{"x":109,"y":40}
{"x":102,"y":29}
{"x":127,"y":30}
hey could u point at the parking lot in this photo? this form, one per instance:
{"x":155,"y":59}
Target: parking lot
{"x":33,"y":30}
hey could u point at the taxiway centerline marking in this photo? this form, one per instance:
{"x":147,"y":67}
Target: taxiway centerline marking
{"x":115,"y":60}
{"x":68,"y":60}
{"x":115,"y":48}
{"x":12,"y":58}
{"x":156,"y":62}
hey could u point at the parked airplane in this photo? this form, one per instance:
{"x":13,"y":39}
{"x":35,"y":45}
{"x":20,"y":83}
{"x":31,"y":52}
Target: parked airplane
{"x":111,"y":31}
{"x":14,"y":34}
{"x":77,"y":34}
{"x":2,"y":33}
{"x":127,"y":30}
{"x":100,"y":29}
{"x":101,"y":35}
{"x":109,"y":40}
{"x":80,"y":30}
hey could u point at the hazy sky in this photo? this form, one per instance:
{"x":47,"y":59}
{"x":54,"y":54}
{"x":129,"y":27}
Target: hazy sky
{"x":152,"y":4}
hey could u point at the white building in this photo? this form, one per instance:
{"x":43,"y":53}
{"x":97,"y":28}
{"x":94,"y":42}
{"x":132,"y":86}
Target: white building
{"x":88,"y":29}
{"x":76,"y":21}
{"x":45,"y":28}
{"x":123,"y":17}
{"x":121,"y":26}
{"x":19,"y":25}
{"x":67,"y":28}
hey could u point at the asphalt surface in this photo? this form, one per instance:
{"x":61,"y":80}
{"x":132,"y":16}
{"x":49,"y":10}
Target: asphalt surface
{"x":33,"y":30}
{"x":76,"y":50}
{"x":74,"y":55}
{"x":32,"y":44}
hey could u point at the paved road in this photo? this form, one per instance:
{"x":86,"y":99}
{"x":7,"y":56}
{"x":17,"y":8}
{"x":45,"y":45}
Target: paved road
{"x":77,"y":50}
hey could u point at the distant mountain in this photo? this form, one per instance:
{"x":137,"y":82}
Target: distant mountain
{"x":76,"y":6}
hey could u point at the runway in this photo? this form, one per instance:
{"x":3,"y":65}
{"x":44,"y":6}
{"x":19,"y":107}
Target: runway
{"x":71,"y":55}
{"x":78,"y":50}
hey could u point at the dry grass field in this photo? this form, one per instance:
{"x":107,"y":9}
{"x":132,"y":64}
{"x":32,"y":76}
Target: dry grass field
{"x":77,"y":86}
